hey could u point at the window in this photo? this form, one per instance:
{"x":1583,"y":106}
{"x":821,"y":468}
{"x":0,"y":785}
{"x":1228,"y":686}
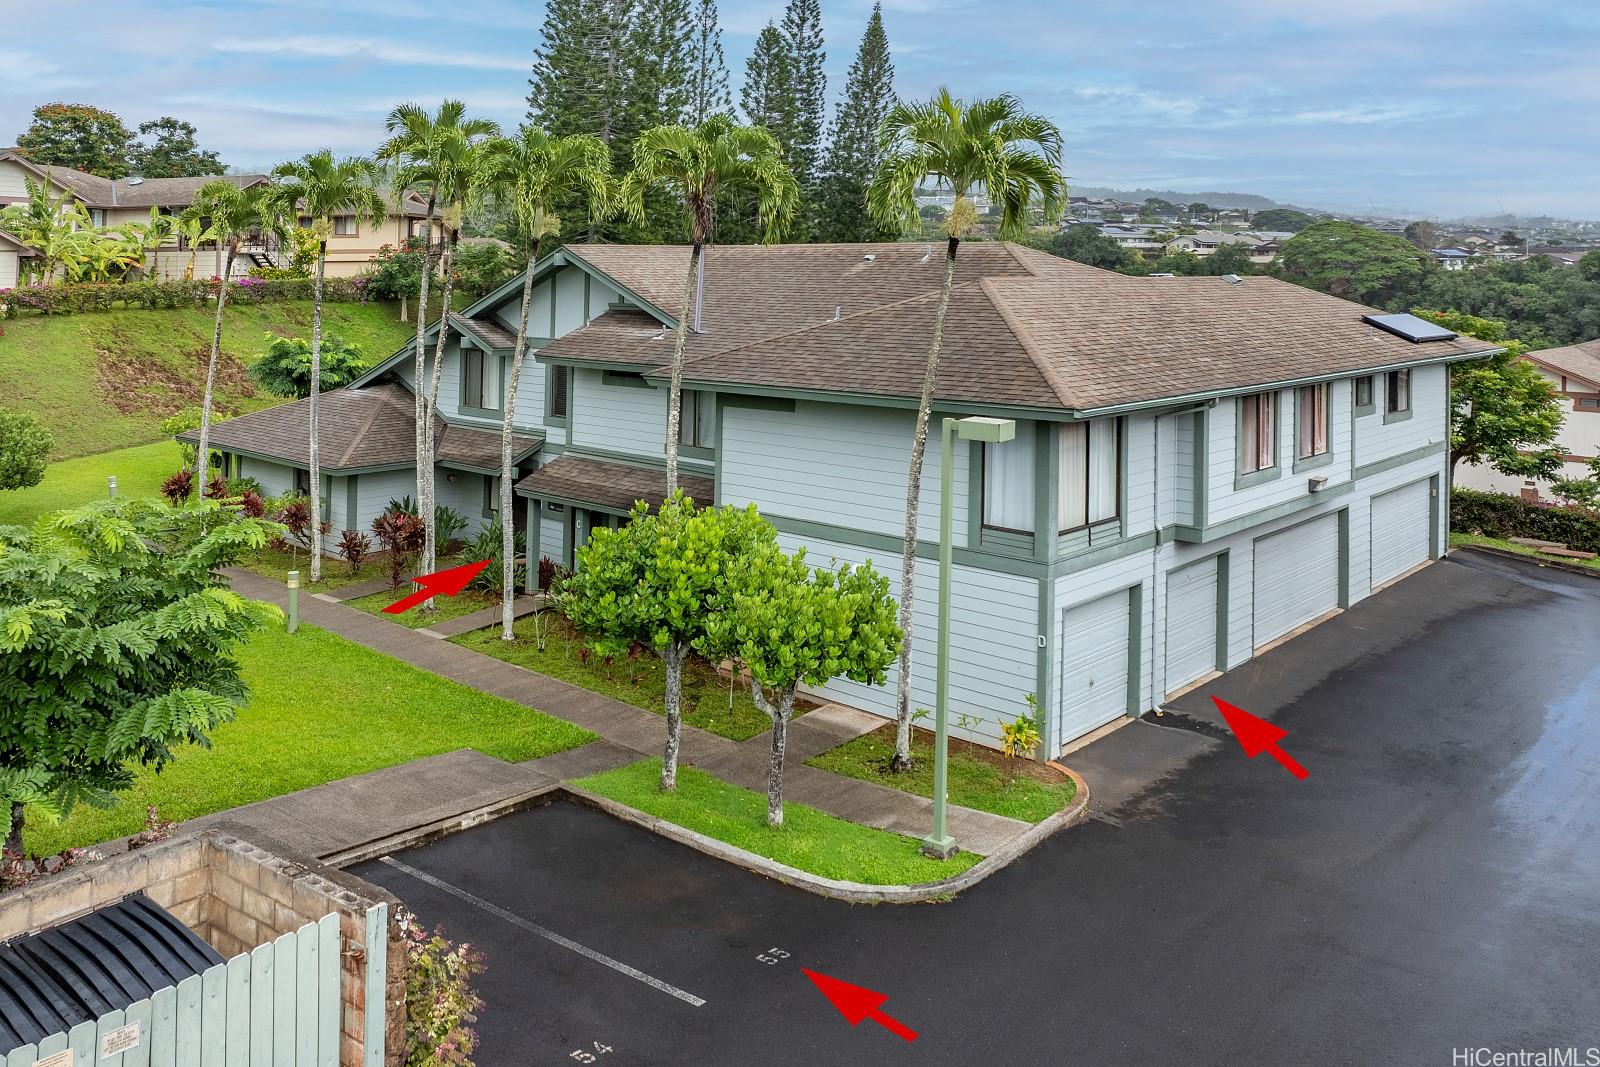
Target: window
{"x":97,"y":216}
{"x":1399,"y":392}
{"x":1090,"y":458}
{"x":556,"y":398}
{"x":1258,"y":432}
{"x":480,"y":380}
{"x":1311,"y":420}
{"x":491,"y":496}
{"x":1587,"y":403}
{"x":1008,"y":482}
{"x":694,"y":420}
{"x":1364,"y":391}
{"x":344,"y":225}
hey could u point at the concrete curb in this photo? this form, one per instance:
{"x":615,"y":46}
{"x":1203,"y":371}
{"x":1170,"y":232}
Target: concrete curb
{"x":853,"y":892}
{"x":1537,"y":561}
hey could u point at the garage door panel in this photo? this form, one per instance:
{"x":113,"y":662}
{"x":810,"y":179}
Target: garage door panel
{"x":1296,"y":577}
{"x":1401,"y":530}
{"x":1095,"y":651}
{"x":1191,"y":623}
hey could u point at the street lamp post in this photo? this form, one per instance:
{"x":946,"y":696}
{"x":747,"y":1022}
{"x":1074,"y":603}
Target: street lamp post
{"x":940,"y":844}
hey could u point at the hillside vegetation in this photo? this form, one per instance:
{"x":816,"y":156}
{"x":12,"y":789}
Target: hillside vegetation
{"x":105,"y":381}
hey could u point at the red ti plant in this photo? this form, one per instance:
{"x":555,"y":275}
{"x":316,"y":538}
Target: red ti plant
{"x":402,"y":536}
{"x":353,"y":548}
{"x":178,"y":487}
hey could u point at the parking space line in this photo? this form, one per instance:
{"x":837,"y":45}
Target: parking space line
{"x":549,"y":935}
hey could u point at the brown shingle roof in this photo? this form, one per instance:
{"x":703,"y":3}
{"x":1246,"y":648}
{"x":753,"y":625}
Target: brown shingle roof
{"x":356,"y":428}
{"x":489,"y":331}
{"x":1577,"y":361}
{"x":99,"y":192}
{"x":616,"y":486}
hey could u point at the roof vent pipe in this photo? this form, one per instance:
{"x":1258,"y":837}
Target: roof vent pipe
{"x":838,"y":311}
{"x":927,"y":253}
{"x":699,"y":289}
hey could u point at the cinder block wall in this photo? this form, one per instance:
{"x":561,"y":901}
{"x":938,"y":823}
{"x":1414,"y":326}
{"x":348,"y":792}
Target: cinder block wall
{"x":235,"y":895}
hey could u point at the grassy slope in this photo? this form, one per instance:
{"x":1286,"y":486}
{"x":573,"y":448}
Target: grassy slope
{"x":140,"y":471}
{"x":68,"y":369}
{"x":809,"y":839}
{"x":322,"y":708}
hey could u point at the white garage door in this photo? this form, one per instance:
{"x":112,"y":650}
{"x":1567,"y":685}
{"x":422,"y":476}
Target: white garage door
{"x":1400,"y":536}
{"x":1296,"y":577}
{"x":1094,"y":665}
{"x":1191,"y":623}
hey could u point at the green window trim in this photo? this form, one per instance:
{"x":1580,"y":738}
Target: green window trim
{"x":1260,"y":477}
{"x":491,"y":498}
{"x":1311,"y":463}
{"x":1391,"y":414}
{"x":1317,"y":459}
{"x":483,"y":358}
{"x":1243,"y":479}
{"x":1371,"y":406}
{"x":551,"y":416}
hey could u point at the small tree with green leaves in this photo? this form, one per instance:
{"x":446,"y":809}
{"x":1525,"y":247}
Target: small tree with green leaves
{"x":790,"y":625}
{"x":657,"y":582}
{"x":285,"y":368}
{"x":116,"y":646}
{"x":24,"y":447}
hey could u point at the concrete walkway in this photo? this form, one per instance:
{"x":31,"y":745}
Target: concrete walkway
{"x":629,"y":732}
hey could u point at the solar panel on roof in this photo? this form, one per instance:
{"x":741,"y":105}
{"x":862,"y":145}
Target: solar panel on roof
{"x":1413,"y":329}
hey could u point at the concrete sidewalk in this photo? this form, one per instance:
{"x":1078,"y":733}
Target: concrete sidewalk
{"x":629,"y":732}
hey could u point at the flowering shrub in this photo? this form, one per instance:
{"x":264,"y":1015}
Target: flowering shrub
{"x":440,"y":1002}
{"x":78,"y":298}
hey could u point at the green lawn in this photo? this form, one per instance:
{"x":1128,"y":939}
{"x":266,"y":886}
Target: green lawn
{"x":808,"y":840}
{"x":336,"y":573}
{"x":1461,"y":540}
{"x":105,"y":380}
{"x":70,"y":482}
{"x":322,"y":708}
{"x":987,"y":784}
{"x":444,"y":607}
{"x":640,"y":682}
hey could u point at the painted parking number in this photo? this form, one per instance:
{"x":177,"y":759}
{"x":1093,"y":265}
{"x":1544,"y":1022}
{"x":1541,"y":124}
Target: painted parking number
{"x":772,"y":956}
{"x":585,"y":1056}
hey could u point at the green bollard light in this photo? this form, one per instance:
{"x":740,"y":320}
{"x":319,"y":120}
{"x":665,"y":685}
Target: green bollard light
{"x":111,"y":484}
{"x":294,"y":600}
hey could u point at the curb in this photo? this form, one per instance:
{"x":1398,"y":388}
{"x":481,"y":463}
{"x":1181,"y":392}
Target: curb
{"x":853,"y":892}
{"x":1537,"y":561}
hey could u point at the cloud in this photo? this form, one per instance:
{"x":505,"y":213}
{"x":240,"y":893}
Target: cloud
{"x":370,"y":49}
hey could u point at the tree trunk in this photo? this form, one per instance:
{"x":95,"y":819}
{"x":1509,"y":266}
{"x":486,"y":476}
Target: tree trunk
{"x":14,"y":838}
{"x":202,"y":457}
{"x":673,"y":656}
{"x":405,"y":312}
{"x":908,"y":562}
{"x":675,"y":390}
{"x":316,"y":386}
{"x":419,"y":386}
{"x":425,"y":509}
{"x":780,"y":741}
{"x":507,"y":523}
{"x":224,"y":277}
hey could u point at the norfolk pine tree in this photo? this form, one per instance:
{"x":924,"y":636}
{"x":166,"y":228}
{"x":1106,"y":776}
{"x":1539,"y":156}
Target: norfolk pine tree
{"x":708,"y":67}
{"x":852,"y":157}
{"x":801,"y":136}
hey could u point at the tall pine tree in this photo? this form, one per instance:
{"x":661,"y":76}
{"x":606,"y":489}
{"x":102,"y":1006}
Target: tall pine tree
{"x":853,"y":149}
{"x":802,"y":33}
{"x":767,"y":99}
{"x":663,"y":56}
{"x":708,"y":68}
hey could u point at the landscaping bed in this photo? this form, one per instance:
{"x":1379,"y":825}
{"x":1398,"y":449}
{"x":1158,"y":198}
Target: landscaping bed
{"x":979,"y":777}
{"x":639,"y":680}
{"x":1467,"y":540}
{"x":321,"y":708}
{"x":444,"y":607}
{"x":809,"y":840}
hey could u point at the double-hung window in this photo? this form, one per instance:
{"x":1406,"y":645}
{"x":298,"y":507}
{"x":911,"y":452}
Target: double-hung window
{"x":1090,"y":457}
{"x":1311,"y":420}
{"x":1258,"y":432}
{"x":344,"y":225}
{"x":1008,"y":482}
{"x":480,"y":379}
{"x":1398,"y":398}
{"x":695,"y":417}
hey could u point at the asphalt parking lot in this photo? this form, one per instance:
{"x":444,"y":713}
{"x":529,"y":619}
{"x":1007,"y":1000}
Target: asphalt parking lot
{"x":1433,"y":885}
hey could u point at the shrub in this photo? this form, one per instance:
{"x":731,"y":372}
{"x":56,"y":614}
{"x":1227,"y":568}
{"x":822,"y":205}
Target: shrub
{"x":550,"y":573}
{"x":395,"y":273}
{"x":447,"y":522}
{"x":401,"y":535}
{"x":487,"y":545}
{"x":179,"y":487}
{"x":24,"y":447}
{"x":252,"y":505}
{"x":1021,"y":736}
{"x":353,"y":548}
{"x":241,"y":486}
{"x":440,"y":1002}
{"x":1498,"y":515}
{"x":296,"y":515}
{"x":480,"y":269}
{"x":79,"y":298}
{"x":285,"y":368}
{"x":279,"y":274}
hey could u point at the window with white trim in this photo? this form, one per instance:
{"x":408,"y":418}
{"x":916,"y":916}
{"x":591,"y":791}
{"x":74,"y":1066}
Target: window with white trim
{"x":1008,"y":482}
{"x":1311,"y":420}
{"x":1258,"y":432}
{"x":480,"y":386}
{"x":1090,"y":484}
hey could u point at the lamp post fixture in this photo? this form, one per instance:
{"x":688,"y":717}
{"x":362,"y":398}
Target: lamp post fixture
{"x":940,"y":844}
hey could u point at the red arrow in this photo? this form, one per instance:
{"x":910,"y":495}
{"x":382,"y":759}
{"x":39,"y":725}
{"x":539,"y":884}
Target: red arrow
{"x":856,"y":1004}
{"x":1257,"y":736}
{"x":447,"y":582}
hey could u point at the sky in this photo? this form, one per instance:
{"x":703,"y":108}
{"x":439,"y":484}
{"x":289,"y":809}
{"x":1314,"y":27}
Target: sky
{"x":1426,"y":108}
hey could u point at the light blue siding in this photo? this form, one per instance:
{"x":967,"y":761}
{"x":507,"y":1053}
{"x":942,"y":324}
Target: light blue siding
{"x":1376,"y":440}
{"x":1225,"y":502}
{"x":619,"y":418}
{"x":275,"y":478}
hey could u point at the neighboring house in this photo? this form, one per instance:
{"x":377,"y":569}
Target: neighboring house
{"x":1139,"y":238}
{"x":1205,"y":243}
{"x":1453,"y":258}
{"x":129,"y":200}
{"x":1201,"y":466}
{"x":1575,"y":373}
{"x":12,"y":253}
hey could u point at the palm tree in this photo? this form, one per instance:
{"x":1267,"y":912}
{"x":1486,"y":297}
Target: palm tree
{"x":319,"y":187}
{"x":195,"y":230}
{"x":48,"y":225}
{"x":530,"y":172}
{"x":150,"y":237}
{"x":1016,"y":158}
{"x":695,"y":164}
{"x":235,"y":214}
{"x":419,"y":145}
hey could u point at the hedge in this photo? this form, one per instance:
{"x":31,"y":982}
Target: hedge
{"x":74,"y":299}
{"x":1498,"y":515}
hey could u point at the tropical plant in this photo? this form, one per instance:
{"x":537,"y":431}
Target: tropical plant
{"x":285,"y":368}
{"x":401,"y":536}
{"x":656,"y":582}
{"x":1016,"y":158}
{"x":531,"y":172}
{"x":790,"y":624}
{"x":447,"y":522}
{"x":693,"y":165}
{"x":318,"y":186}
{"x":24,"y":449}
{"x":439,"y":1001}
{"x":489,"y":544}
{"x":294,"y":514}
{"x":179,"y":486}
{"x":195,"y":230}
{"x":235,"y":213}
{"x":353,"y":547}
{"x":117,"y":634}
{"x":149,"y":237}
{"x":1020,"y":736}
{"x":53,"y":226}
